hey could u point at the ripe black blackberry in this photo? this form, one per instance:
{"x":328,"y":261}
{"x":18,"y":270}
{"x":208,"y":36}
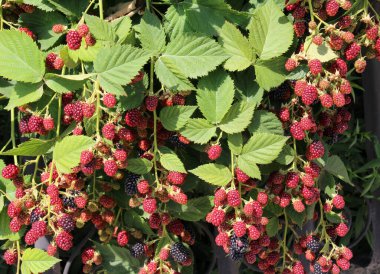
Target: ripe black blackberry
{"x":313,"y":245}
{"x":318,"y":269}
{"x":131,"y":183}
{"x":282,"y":93}
{"x":137,"y":250}
{"x":179,"y":252}
{"x":68,"y":201}
{"x":174,"y":140}
{"x":238,"y":247}
{"x":36,"y":215}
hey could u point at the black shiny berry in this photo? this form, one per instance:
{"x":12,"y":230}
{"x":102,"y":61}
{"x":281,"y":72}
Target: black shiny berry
{"x":313,"y":245}
{"x":179,"y":252}
{"x":137,"y":250}
{"x":131,"y":183}
{"x":238,"y":247}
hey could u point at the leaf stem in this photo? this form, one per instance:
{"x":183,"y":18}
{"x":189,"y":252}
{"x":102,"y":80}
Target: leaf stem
{"x":148,"y":5}
{"x":13,"y":133}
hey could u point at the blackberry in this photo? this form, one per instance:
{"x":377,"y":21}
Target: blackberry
{"x":318,"y":269}
{"x":131,"y":183}
{"x":239,"y":246}
{"x":36,"y":215}
{"x":137,"y":250}
{"x":313,"y":245}
{"x":66,"y":222}
{"x":174,"y":140}
{"x":282,"y":93}
{"x":69,"y":202}
{"x":179,"y":252}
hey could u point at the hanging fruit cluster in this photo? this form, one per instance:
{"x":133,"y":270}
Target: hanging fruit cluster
{"x":139,"y":129}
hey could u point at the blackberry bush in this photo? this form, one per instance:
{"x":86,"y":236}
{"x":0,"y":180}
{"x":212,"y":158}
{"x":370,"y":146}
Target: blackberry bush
{"x":136,"y":131}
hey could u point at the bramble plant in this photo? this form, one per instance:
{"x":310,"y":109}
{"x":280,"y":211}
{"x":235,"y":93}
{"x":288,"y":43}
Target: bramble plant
{"x":163,"y":115}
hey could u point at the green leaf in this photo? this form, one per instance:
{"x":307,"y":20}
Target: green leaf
{"x":171,"y":76}
{"x":24,"y":93}
{"x":20,"y":58}
{"x":176,"y":20}
{"x":65,"y":83}
{"x":70,"y":8}
{"x":238,"y":117}
{"x":122,"y":27}
{"x":214,"y":174}
{"x":134,"y":220}
{"x":32,"y":147}
{"x":85,"y":53}
{"x":272,"y":226}
{"x":237,"y":46}
{"x":41,"y":23}
{"x":193,"y":55}
{"x":100,"y":29}
{"x":175,"y":117}
{"x":36,"y":260}
{"x":119,"y":64}
{"x":299,"y":73}
{"x":152,"y":35}
{"x":5,"y":232}
{"x":139,"y":165}
{"x":286,"y":156}
{"x":67,"y":152}
{"x":200,"y":131}
{"x":195,"y":210}
{"x":333,"y":217}
{"x":249,"y":167}
{"x":327,"y":183}
{"x":170,"y":161}
{"x":214,"y":12}
{"x":269,"y":24}
{"x":117,"y":259}
{"x":247,"y":89}
{"x":235,"y":143}
{"x":263,"y":148}
{"x":270,"y":74}
{"x":41,"y":4}
{"x":135,"y":95}
{"x":336,"y":167}
{"x":296,"y":217}
{"x":215,"y":95}
{"x":323,"y":53}
{"x":267,"y":122}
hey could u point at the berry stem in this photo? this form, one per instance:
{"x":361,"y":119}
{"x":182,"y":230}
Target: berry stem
{"x":97,"y":91}
{"x":101,"y":9}
{"x":1,"y":14}
{"x":13,"y":137}
{"x":35,"y":170}
{"x":18,"y":257}
{"x":311,"y":10}
{"x":88,"y":8}
{"x":284,"y":248}
{"x":155,"y":146}
{"x":151,"y":76}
